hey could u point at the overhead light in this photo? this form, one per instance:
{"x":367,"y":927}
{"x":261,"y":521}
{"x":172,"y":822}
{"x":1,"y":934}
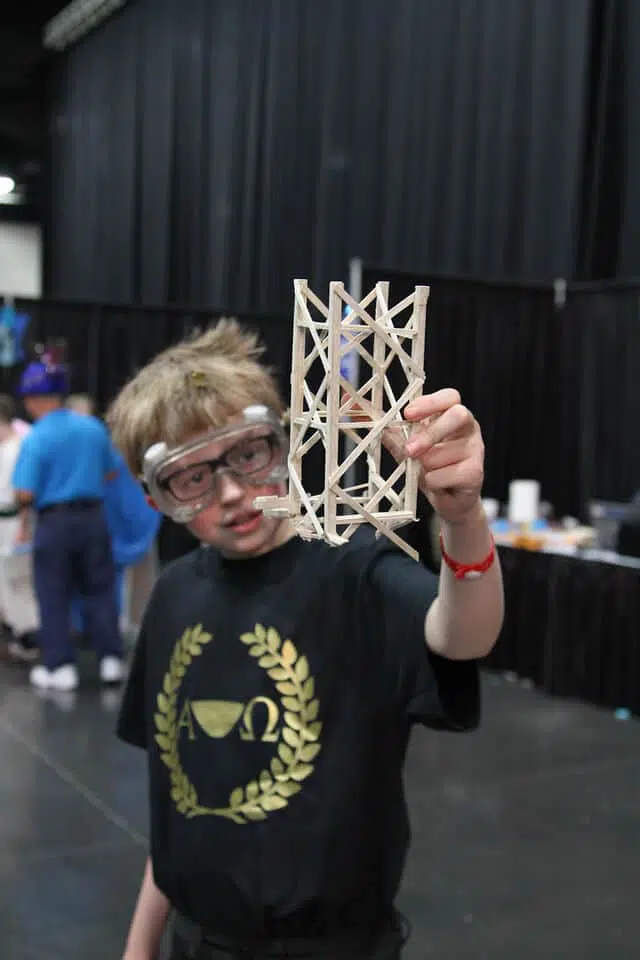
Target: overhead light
{"x":76,"y":20}
{"x":7,"y":185}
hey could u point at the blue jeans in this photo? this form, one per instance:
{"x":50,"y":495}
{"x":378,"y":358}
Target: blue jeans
{"x":72,"y":555}
{"x":78,"y":619}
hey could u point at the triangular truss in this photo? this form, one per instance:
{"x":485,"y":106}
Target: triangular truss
{"x":339,"y":414}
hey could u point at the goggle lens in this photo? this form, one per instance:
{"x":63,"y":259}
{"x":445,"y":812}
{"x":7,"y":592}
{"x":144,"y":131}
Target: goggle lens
{"x":250,"y":459}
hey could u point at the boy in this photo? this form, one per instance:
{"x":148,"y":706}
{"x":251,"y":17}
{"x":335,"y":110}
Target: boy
{"x":276,"y":680}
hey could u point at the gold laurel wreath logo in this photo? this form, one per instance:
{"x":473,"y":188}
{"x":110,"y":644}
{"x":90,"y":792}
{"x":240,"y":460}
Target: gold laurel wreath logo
{"x":301,"y":730}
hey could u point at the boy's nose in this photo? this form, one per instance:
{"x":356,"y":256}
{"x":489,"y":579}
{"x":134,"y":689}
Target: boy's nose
{"x":230,"y":490}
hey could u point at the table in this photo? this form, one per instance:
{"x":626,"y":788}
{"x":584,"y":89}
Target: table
{"x":572,"y":625}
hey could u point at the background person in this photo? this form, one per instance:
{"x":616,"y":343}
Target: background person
{"x":133,"y":527}
{"x":60,"y":480}
{"x":17,"y":621}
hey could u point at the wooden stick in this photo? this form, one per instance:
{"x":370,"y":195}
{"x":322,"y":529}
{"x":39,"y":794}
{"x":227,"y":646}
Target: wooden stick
{"x":332,"y":438}
{"x":297,"y":394}
{"x":379,"y":373}
{"x":418,"y":320}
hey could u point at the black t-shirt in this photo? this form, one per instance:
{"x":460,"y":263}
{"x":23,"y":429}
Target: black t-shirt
{"x":275,"y":697}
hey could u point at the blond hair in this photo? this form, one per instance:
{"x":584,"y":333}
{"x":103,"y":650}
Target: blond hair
{"x":199,"y":384}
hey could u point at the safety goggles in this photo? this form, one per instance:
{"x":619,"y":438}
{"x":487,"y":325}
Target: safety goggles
{"x":186,"y":480}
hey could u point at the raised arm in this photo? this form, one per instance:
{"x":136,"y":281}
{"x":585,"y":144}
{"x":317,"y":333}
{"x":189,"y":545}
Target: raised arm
{"x":465,"y":619}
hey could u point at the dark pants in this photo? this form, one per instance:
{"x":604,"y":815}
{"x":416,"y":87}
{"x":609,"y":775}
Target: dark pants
{"x":386,"y":946}
{"x":72,"y":553}
{"x":391,"y":949}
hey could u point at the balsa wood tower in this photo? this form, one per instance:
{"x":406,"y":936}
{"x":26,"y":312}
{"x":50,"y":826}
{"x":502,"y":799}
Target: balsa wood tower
{"x":348,"y":419}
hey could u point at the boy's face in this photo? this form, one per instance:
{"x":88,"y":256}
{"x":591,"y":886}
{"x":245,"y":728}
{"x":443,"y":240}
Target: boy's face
{"x":232,"y":524}
{"x":228,"y":474}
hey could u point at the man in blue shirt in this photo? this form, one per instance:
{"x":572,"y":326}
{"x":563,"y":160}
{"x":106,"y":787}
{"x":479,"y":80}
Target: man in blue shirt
{"x":64,"y":465}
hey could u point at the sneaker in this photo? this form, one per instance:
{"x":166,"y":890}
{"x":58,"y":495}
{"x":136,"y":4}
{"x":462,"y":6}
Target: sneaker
{"x":111,"y":670}
{"x":64,"y":678}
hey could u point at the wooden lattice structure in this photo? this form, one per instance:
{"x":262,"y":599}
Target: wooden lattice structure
{"x":339,"y":414}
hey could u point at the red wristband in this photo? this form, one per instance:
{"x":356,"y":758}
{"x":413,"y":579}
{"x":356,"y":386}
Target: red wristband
{"x":468,"y":571}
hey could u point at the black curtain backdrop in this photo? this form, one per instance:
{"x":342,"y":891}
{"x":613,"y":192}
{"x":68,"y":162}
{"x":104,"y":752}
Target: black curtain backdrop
{"x":554,"y":384}
{"x":571,"y":627}
{"x":516,"y":360}
{"x":604,"y":325}
{"x":609,"y":227}
{"x":208,"y":151}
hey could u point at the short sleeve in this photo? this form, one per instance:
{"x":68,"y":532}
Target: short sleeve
{"x":112,"y":460}
{"x":432,"y":690}
{"x":26,"y":473}
{"x":114,"y":463}
{"x":131,"y":725}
